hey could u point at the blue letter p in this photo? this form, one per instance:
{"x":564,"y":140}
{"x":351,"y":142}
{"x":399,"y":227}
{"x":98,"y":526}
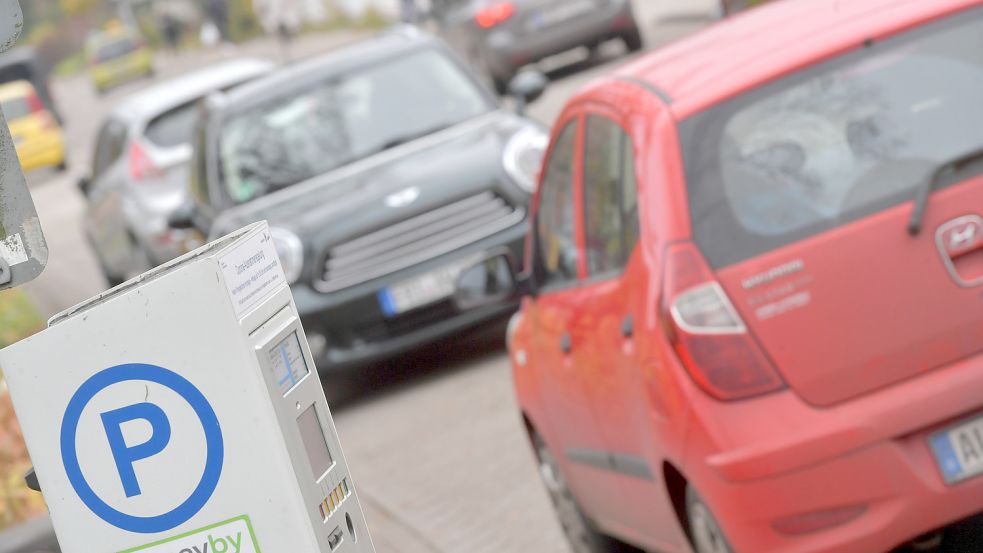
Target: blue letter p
{"x":160,"y":436}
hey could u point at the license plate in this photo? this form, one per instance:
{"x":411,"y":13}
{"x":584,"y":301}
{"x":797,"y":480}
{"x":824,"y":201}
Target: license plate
{"x":547,"y":17}
{"x":422,"y":290}
{"x":959,"y":451}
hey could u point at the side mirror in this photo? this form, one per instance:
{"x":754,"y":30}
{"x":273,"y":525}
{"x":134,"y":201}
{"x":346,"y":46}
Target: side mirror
{"x":490,"y":281}
{"x":184,"y":216}
{"x":527,"y":87}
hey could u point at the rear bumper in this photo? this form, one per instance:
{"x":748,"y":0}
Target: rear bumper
{"x":765,"y":460}
{"x":355,"y":330}
{"x":105,"y":77}
{"x":45,"y":150}
{"x":506,"y":52}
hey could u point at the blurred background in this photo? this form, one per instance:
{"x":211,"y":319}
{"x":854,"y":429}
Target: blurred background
{"x":432,"y":435}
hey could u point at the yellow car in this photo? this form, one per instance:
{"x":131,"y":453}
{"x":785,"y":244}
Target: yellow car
{"x":37,"y":135}
{"x":116,"y":58}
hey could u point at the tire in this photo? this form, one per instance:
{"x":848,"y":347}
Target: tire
{"x":112,"y":281}
{"x":62,"y":167}
{"x":140,"y":261}
{"x":723,"y":9}
{"x":582,"y":535}
{"x":633,"y":40}
{"x":706,"y":533}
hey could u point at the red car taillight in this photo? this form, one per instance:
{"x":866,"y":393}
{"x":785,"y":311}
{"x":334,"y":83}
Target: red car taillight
{"x":36,"y":106}
{"x":34,"y":102}
{"x":495,"y":14}
{"x":708,"y":334}
{"x":139,"y":163}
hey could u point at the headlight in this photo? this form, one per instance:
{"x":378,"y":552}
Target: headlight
{"x":291,"y":252}
{"x":523,"y":158}
{"x":512,"y":328}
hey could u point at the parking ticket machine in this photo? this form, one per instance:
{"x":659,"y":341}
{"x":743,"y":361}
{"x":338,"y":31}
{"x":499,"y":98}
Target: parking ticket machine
{"x":182,"y":412}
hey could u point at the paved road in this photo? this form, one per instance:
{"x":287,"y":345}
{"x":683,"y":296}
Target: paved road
{"x":433,"y":439}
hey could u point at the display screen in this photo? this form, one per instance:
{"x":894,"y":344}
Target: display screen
{"x":288,"y":364}
{"x":314,"y":442}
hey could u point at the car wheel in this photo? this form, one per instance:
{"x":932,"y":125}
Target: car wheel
{"x":140,"y":261}
{"x":578,"y":529}
{"x":633,"y":40}
{"x":62,"y":167}
{"x":706,"y":533}
{"x":111,"y":280}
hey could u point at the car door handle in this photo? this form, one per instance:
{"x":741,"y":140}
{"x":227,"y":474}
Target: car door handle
{"x":628,"y":327}
{"x":566,"y":344}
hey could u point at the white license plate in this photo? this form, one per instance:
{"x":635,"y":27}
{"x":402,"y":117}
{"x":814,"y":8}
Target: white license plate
{"x":959,"y":450}
{"x":566,"y":11}
{"x":422,"y":290}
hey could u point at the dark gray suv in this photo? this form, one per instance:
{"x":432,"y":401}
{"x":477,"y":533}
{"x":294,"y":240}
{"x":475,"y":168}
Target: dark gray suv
{"x":384,"y":169}
{"x":500,"y":36}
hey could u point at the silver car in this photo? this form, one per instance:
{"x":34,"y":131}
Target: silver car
{"x":499,"y":37}
{"x":140,"y":169}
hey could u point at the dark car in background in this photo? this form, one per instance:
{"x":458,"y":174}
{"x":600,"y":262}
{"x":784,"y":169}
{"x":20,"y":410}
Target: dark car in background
{"x":500,"y":37}
{"x":383,"y":169}
{"x":140,"y":170}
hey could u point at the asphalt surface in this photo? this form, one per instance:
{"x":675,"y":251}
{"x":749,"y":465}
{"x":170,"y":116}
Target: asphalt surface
{"x":433,"y":439}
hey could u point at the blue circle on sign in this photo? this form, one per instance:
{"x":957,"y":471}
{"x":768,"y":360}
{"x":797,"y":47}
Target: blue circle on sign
{"x":215,"y":455}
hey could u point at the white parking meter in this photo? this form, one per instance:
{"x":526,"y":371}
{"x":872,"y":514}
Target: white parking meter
{"x":182,"y":413}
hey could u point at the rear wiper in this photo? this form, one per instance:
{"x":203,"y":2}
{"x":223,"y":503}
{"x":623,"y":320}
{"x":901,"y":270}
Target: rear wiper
{"x":947,"y":168}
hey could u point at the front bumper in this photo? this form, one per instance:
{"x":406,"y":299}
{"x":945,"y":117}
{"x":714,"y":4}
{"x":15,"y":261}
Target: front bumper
{"x":507,"y":50}
{"x":776,"y":458}
{"x":355,"y":330}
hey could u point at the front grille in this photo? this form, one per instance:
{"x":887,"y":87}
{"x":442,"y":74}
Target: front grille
{"x":416,"y":240}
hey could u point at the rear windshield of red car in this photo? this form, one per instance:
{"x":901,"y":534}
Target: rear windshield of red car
{"x":836,"y":142}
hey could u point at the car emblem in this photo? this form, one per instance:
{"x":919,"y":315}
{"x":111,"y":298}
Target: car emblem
{"x":403,"y":198}
{"x":957,"y":238}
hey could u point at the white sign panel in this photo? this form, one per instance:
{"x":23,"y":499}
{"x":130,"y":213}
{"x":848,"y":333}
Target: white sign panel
{"x":252,"y":272}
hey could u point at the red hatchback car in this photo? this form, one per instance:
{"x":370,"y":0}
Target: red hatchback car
{"x":754,"y":319}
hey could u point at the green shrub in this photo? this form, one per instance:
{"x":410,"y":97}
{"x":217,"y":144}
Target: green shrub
{"x":18,"y":318}
{"x":70,"y":66}
{"x":372,"y":19}
{"x":243,"y":24}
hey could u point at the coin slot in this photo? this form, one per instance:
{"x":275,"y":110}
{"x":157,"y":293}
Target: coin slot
{"x":351,"y":527}
{"x":335,"y":538}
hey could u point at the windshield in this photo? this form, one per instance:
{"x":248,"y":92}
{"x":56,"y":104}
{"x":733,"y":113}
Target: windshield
{"x":15,"y":108}
{"x":174,"y":127}
{"x":835,"y":143}
{"x":115,"y":49}
{"x":305,"y":133}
